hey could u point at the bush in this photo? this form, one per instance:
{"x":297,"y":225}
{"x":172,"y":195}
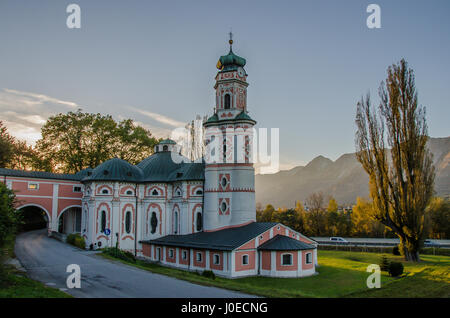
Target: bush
{"x":76,"y":240}
{"x":395,"y":250}
{"x":71,"y":239}
{"x":384,"y":264}
{"x":120,"y":254}
{"x":80,"y":242}
{"x":395,"y":269}
{"x":209,"y":274}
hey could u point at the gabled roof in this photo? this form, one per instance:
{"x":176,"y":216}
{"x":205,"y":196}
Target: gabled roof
{"x":284,"y":243}
{"x":227,"y":239}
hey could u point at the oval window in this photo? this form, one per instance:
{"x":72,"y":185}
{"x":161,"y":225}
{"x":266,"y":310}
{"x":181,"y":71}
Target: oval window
{"x":153,"y":223}
{"x":224,"y":206}
{"x":103,"y":222}
{"x":128,"y":222}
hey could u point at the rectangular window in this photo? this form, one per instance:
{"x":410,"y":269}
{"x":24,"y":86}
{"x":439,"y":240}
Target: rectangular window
{"x":76,"y":189}
{"x":286,"y":259}
{"x":33,"y":186}
{"x":308,"y":258}
{"x":171,"y":253}
{"x":216,"y":259}
{"x":199,"y":257}
{"x":244,"y":259}
{"x":184,"y":254}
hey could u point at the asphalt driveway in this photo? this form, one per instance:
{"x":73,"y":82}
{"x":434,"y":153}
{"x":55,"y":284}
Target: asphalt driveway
{"x":46,"y":260}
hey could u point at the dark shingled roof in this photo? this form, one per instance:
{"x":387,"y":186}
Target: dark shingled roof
{"x":226,"y":240}
{"x":285,"y":243}
{"x":115,"y":170}
{"x":41,"y":174}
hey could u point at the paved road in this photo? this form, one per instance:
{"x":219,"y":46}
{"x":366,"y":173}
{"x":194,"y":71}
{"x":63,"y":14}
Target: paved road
{"x":46,"y":259}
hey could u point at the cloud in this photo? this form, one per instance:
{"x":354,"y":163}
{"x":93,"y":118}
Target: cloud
{"x":24,"y":113}
{"x":159,"y":118}
{"x":40,"y":98}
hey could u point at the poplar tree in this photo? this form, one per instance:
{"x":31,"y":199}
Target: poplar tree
{"x":400,"y":179}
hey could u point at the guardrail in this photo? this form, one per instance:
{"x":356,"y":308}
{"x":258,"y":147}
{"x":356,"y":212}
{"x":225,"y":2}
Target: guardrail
{"x":374,"y":244}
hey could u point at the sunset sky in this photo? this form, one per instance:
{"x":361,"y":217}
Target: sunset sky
{"x":309,"y":62}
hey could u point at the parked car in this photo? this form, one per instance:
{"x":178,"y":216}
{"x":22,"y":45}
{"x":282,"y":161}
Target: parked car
{"x":338,"y":239}
{"x":430,"y":243}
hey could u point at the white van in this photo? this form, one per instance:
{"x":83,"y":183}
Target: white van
{"x":338,"y":239}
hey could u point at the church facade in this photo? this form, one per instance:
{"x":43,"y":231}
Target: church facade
{"x":190,"y":215}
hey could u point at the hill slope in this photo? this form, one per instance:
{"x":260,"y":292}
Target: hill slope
{"x":344,"y":178}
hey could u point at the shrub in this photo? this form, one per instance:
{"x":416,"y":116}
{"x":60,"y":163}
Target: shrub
{"x":71,"y":239}
{"x":395,"y":250}
{"x":80,"y":242}
{"x":77,"y":240}
{"x":209,"y":274}
{"x":395,"y":269}
{"x":120,"y":254}
{"x":384,"y":264}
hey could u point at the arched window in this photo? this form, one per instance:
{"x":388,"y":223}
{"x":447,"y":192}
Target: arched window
{"x":227,"y":101}
{"x":199,"y":224}
{"x":128,"y":222}
{"x":153,"y":223}
{"x":165,"y":148}
{"x":155,"y":192}
{"x":103,"y":222}
{"x":199,"y":192}
{"x":129,"y":192}
{"x":105,"y":191}
{"x":175,"y":223}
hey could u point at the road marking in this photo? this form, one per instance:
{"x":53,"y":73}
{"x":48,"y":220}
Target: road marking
{"x":63,"y":289}
{"x":50,"y":284}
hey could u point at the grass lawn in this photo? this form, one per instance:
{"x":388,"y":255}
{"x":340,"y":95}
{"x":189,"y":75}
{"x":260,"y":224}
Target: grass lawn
{"x":341,"y":274}
{"x":15,"y":284}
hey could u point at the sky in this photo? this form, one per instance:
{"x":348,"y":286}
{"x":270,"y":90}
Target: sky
{"x":308,"y":64}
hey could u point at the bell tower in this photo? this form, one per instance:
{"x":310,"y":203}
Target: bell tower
{"x":229,"y":196}
{"x":231,"y":85}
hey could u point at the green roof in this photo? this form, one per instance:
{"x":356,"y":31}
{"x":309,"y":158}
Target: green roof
{"x":170,"y":166}
{"x":212,"y":119}
{"x":227,"y":239}
{"x":231,"y":61}
{"x":243,"y":115}
{"x":167,"y":142}
{"x":285,"y":243}
{"x":41,"y":174}
{"x":115,"y":170}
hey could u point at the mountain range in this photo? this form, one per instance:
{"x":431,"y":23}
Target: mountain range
{"x":344,"y":179}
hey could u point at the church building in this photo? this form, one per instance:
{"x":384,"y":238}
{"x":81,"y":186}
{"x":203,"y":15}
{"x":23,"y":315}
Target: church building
{"x":190,"y":215}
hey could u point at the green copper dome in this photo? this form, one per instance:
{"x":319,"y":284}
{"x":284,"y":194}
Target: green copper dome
{"x":115,"y":170}
{"x":230,"y":62}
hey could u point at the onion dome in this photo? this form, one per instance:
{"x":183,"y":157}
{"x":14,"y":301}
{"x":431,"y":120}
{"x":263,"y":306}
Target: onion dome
{"x":231,"y":61}
{"x":115,"y":170}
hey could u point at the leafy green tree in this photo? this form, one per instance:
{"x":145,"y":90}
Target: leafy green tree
{"x":438,"y":215}
{"x":267,"y":214}
{"x":9,"y":217}
{"x":76,"y":140}
{"x":401,"y":185}
{"x":6,"y":146}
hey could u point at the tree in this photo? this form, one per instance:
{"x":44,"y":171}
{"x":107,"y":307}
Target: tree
{"x":363,"y":220}
{"x":332,"y":205}
{"x":400,"y":186}
{"x":9,"y":217}
{"x":316,"y":220}
{"x":6,"y":146}
{"x":438,"y":215}
{"x":267,"y":214}
{"x":76,"y":140}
